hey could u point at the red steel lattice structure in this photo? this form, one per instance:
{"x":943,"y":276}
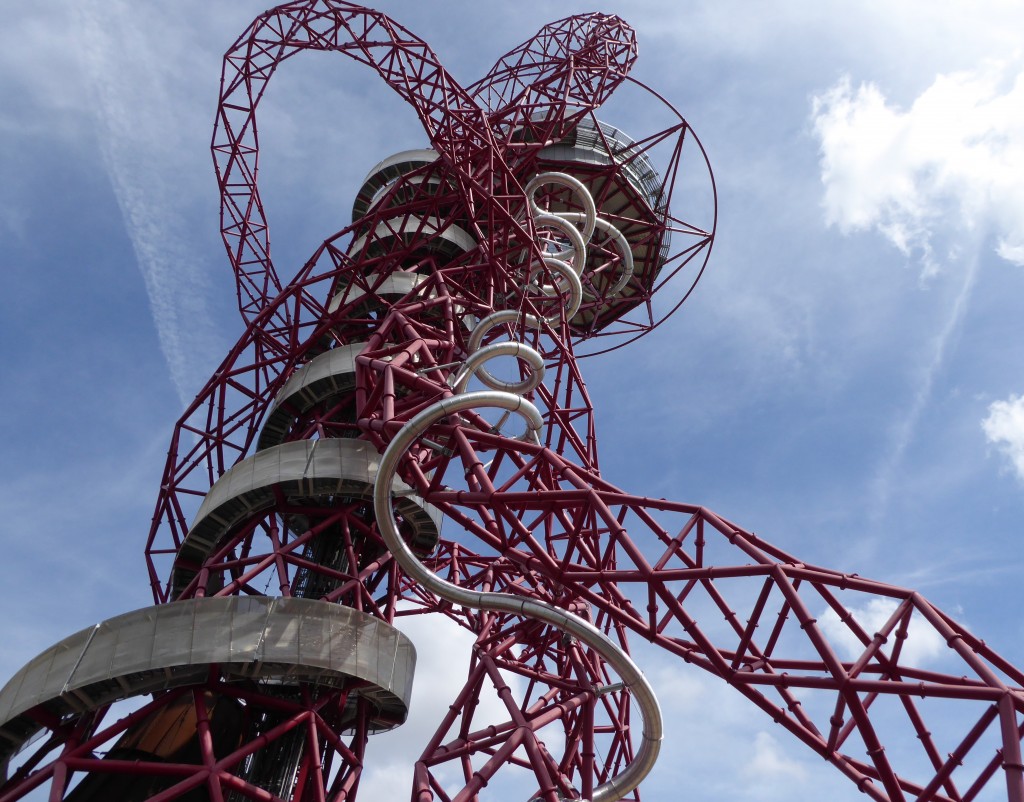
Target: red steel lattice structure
{"x":299,"y":518}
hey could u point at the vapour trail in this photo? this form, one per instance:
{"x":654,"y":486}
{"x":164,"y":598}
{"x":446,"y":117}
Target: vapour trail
{"x":904,"y":430}
{"x":139,"y":134}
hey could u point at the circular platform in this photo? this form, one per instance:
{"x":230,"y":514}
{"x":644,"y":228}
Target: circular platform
{"x":306,"y":471}
{"x":288,"y":641}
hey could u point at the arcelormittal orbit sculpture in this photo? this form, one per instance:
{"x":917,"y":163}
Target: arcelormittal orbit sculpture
{"x":300,"y":515}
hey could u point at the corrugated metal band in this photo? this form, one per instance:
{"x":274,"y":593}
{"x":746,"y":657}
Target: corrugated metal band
{"x":290,"y":641}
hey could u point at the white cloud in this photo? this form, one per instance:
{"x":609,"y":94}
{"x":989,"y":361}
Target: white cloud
{"x":769,"y":764}
{"x":442,"y":661}
{"x":945,"y":168}
{"x":715,"y":742}
{"x":923,"y":643}
{"x":1004,"y":428}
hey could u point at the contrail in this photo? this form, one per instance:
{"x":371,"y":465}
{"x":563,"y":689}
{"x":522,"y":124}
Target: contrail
{"x":905,"y":429}
{"x":142,"y":145}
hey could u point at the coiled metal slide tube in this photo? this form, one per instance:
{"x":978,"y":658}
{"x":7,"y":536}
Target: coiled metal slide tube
{"x":633,"y":678}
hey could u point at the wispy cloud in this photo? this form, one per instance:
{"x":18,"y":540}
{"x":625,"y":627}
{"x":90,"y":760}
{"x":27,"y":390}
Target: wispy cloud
{"x":906,"y":426}
{"x":149,"y":160}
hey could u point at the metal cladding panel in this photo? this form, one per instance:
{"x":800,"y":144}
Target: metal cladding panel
{"x":280,"y":638}
{"x":241,"y":478}
{"x":425,"y":232}
{"x":131,"y":644}
{"x":177,"y":643}
{"x":181,"y":619}
{"x":30,"y":683}
{"x":571,"y":153}
{"x":315,"y":639}
{"x":301,"y":469}
{"x":403,"y":667}
{"x":387,"y":171}
{"x":294,"y":462}
{"x":291,"y":460}
{"x":338,"y":362}
{"x":399,"y":163}
{"x":124,"y":642}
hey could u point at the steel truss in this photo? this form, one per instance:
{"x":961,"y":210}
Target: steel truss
{"x":535,"y":228}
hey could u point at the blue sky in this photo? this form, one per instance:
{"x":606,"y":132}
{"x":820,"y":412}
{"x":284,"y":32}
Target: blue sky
{"x":846,"y":380}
